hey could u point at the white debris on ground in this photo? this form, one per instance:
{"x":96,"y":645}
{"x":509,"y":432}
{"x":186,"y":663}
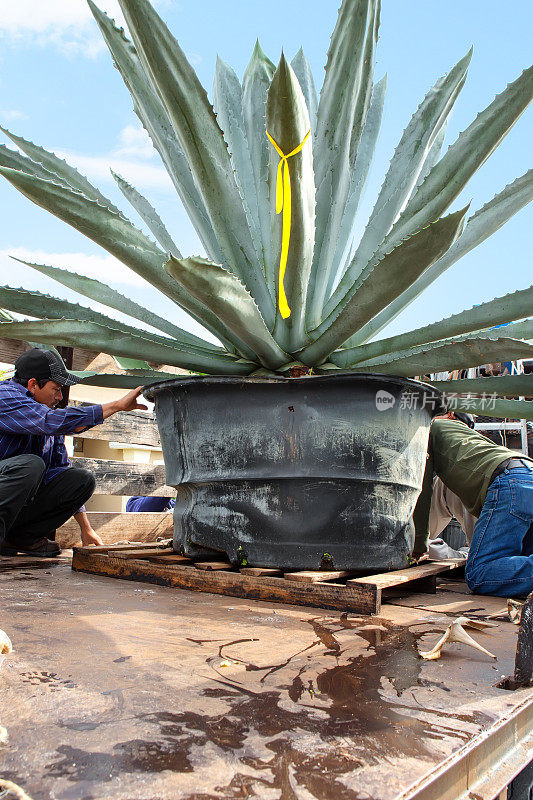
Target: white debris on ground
{"x":5,"y":644}
{"x":455,"y":632}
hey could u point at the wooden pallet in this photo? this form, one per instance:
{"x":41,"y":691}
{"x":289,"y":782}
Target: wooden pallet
{"x":160,"y":564}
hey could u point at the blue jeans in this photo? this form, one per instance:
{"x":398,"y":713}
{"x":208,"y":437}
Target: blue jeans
{"x":500,"y":560}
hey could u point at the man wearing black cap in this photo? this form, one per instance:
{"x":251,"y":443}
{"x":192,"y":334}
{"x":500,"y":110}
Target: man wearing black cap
{"x":494,"y":484}
{"x":39,"y":489}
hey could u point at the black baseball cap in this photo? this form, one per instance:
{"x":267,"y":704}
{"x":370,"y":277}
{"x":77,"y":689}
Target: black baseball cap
{"x":44,"y":365}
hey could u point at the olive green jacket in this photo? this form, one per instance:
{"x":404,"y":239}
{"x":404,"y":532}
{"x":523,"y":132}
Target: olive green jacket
{"x":464,"y":460}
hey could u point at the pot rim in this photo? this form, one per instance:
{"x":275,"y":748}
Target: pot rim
{"x":153,"y":389}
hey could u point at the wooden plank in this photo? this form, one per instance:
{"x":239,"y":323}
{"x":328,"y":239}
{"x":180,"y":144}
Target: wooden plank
{"x":119,"y":526}
{"x":131,"y":427}
{"x":10,"y":563}
{"x":318,"y":576}
{"x":85,"y":359}
{"x":175,"y":558}
{"x":399,"y":576}
{"x":123,"y":478}
{"x":356,"y":598}
{"x":117,"y":548}
{"x":259,"y":571}
{"x":419,"y":578}
{"x":139,"y":552}
{"x":213,"y":565}
{"x":11,"y":349}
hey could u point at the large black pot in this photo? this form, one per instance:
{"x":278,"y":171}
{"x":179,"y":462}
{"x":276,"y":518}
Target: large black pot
{"x":297,"y":473}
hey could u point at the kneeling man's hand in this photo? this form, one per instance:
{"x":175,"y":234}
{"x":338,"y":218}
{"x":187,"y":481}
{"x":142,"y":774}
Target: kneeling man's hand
{"x":129,"y":401}
{"x":126,"y":403}
{"x":88,"y":537}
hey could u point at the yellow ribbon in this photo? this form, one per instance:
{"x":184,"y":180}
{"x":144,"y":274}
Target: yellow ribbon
{"x":283,"y":203}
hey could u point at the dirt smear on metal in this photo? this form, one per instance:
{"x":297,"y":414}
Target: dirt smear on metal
{"x":320,"y":723}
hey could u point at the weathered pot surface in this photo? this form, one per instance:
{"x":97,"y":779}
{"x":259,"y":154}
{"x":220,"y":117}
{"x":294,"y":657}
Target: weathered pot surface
{"x":296,"y":473}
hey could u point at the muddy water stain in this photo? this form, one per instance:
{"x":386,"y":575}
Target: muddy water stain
{"x":341,"y":709}
{"x":338,"y":713}
{"x":134,"y":756}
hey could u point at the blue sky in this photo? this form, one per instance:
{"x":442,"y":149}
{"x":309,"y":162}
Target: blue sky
{"x":58,"y":88}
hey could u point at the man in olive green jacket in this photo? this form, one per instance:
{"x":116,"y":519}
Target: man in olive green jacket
{"x":494,"y":484}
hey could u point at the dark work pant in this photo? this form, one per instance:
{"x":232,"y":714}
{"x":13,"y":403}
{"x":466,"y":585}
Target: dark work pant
{"x":30,"y":509}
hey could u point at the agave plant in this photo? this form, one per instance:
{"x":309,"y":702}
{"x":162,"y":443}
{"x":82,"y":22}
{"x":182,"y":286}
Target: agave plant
{"x":271,"y":176}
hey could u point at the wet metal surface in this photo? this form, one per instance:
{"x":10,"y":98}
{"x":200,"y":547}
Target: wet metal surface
{"x":138,"y":692}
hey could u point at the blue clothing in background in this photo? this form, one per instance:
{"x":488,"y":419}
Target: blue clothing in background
{"x":27,"y":426}
{"x":150,"y":504}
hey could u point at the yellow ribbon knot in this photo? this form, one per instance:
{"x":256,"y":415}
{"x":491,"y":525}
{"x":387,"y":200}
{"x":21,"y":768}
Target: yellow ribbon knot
{"x":283,"y":203}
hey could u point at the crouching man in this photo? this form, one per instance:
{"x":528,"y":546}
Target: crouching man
{"x":39,"y":489}
{"x":494,"y":484}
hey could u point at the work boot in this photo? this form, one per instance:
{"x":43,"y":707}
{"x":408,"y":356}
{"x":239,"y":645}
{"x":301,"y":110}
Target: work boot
{"x":42,"y":548}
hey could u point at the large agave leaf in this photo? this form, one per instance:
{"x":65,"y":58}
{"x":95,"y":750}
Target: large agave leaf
{"x":257,"y":78}
{"x":302,"y":70}
{"x":104,"y":226}
{"x":517,"y":330}
{"x":115,"y":234}
{"x":361,"y":169}
{"x":504,"y":409}
{"x":113,"y":340}
{"x":66,"y":174}
{"x":223,"y":293}
{"x":479,"y":227}
{"x":153,"y":117}
{"x":148,"y":214}
{"x":448,"y":355}
{"x":472,"y":148}
{"x":406,"y":165}
{"x":131,"y":363}
{"x":496,"y":312}
{"x":292,"y":201}
{"x":227,"y":97}
{"x":431,"y":158}
{"x":13,"y":160}
{"x":502,"y":386}
{"x":36,"y":304}
{"x":380,"y":282}
{"x":111,"y":380}
{"x":341,"y":115}
{"x":195,"y":125}
{"x":102,"y":293}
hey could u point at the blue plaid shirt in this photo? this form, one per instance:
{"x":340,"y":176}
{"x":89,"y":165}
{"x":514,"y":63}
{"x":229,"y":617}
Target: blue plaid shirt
{"x":27,"y":426}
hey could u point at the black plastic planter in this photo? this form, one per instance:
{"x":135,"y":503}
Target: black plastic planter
{"x":297,"y":473}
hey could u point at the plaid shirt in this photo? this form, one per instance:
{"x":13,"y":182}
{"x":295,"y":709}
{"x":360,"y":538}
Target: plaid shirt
{"x":27,"y":426}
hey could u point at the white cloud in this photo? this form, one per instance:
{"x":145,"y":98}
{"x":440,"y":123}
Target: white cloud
{"x":134,"y":142}
{"x":12,"y":114}
{"x":105,"y":267}
{"x":139,"y":175}
{"x":66,"y":24}
{"x":102,"y":267}
{"x":36,"y":16}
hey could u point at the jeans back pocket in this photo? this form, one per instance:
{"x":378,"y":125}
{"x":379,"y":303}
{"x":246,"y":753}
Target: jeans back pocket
{"x":522,"y":497}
